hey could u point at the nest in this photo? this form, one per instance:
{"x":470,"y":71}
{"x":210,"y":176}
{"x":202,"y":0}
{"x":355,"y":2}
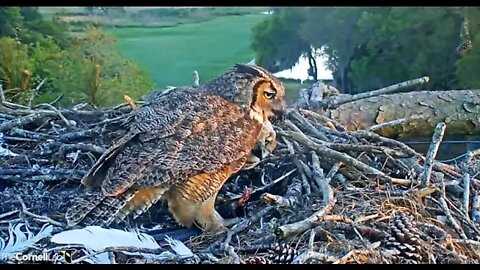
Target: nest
{"x":325,"y":195}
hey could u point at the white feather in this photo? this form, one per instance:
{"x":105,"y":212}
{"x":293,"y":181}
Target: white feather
{"x":98,"y":238}
{"x":95,"y":238}
{"x":19,"y":241}
{"x":179,"y":247}
{"x":3,"y":151}
{"x":6,"y":153}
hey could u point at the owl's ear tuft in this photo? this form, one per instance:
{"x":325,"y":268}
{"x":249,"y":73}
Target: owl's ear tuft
{"x":248,"y":69}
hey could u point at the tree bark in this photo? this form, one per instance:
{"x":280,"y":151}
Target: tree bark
{"x":313,"y":66}
{"x":420,"y":111}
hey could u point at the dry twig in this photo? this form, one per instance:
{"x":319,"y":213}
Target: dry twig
{"x":288,"y":230}
{"x":336,"y":101}
{"x":432,"y":153}
{"x":38,"y":217}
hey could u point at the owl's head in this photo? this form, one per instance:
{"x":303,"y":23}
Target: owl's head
{"x":251,"y":87}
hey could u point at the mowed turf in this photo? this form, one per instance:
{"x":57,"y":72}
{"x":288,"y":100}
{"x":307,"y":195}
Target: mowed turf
{"x":170,"y":55}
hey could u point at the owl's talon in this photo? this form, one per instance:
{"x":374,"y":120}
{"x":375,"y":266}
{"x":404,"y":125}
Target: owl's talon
{"x":217,"y":231}
{"x":215,"y":227}
{"x":231,"y":221}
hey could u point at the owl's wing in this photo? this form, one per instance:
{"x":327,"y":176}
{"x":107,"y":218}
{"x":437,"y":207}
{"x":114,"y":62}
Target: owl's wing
{"x":96,"y":173}
{"x":210,"y":134}
{"x":159,"y":119}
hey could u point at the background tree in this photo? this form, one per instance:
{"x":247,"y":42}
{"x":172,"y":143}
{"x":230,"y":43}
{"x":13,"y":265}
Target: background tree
{"x":369,"y":48}
{"x":467,"y":65}
{"x":405,"y":43}
{"x":91,"y":71}
{"x":10,"y":20}
{"x":14,"y":62}
{"x":86,"y":68}
{"x":335,"y":31}
{"x":276,"y":40}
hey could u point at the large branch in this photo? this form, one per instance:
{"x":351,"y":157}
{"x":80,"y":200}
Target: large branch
{"x":421,"y":111}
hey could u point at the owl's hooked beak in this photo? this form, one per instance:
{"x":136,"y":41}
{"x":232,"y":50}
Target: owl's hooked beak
{"x":279,"y":115}
{"x":279,"y":112}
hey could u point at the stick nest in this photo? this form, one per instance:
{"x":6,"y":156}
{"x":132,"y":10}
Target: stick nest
{"x":325,"y":195}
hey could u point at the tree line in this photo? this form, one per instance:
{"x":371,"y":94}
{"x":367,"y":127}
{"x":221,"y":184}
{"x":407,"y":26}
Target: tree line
{"x":75,"y":67}
{"x":368,"y":48}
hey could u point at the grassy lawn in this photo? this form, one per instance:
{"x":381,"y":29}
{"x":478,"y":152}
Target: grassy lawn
{"x":79,"y":17}
{"x":207,"y":40}
{"x":170,"y":55}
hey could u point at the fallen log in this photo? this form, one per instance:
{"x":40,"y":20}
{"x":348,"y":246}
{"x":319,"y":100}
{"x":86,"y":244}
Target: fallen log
{"x":459,"y":109}
{"x":394,"y":113}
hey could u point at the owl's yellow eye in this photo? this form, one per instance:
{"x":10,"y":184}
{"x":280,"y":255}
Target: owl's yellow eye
{"x":269,"y":95}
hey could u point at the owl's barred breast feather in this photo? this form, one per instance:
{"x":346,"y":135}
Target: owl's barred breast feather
{"x":178,"y":136}
{"x":202,"y":186}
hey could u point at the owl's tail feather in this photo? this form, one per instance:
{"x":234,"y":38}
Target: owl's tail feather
{"x":98,"y":209}
{"x":140,"y":203}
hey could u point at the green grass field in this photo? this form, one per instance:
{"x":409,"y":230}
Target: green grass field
{"x":170,"y":55}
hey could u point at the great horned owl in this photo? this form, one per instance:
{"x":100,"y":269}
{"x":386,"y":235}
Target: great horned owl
{"x":266,"y":143}
{"x":181,"y":146}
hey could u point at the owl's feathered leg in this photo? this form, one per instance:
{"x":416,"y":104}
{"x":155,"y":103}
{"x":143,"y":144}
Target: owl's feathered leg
{"x":194,"y":199}
{"x":183,"y":210}
{"x":255,"y":157}
{"x":208,"y":218}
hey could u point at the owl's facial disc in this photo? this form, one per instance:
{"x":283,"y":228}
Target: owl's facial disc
{"x":268,"y":100}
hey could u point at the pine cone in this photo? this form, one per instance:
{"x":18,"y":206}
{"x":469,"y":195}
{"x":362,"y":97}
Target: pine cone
{"x":256,"y":260}
{"x":404,"y":237}
{"x":282,"y":253}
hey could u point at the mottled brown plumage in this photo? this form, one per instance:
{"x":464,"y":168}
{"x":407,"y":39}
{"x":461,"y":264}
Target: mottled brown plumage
{"x":182,"y":146}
